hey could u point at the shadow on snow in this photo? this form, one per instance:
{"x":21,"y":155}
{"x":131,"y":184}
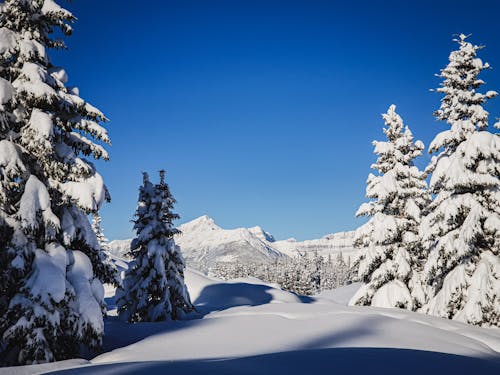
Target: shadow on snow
{"x":336,"y":361}
{"x":215,"y":297}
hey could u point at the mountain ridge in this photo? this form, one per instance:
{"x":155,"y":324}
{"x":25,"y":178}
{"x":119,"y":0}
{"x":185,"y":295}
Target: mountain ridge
{"x":204,"y":243}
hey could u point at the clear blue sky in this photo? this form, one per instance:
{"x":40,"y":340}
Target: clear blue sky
{"x":263,"y":112}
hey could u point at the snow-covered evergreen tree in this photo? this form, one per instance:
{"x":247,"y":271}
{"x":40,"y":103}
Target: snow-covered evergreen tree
{"x":302,"y":274}
{"x":399,"y":194}
{"x":462,"y":229}
{"x":153,"y":287}
{"x":50,"y":257}
{"x":104,"y":246}
{"x":99,"y":233}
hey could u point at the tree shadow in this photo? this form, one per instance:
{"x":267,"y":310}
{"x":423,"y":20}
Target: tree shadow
{"x":305,"y":299}
{"x":373,"y":361}
{"x":217,"y":297}
{"x":120,"y":334}
{"x":337,"y":337}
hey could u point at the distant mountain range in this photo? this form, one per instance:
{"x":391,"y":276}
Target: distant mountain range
{"x":203,"y":244}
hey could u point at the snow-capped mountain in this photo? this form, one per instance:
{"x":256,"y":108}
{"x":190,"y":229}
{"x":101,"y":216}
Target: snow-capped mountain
{"x":203,"y":244}
{"x":329,"y":244}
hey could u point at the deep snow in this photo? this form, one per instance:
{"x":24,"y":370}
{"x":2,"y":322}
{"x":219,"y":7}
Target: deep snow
{"x":249,"y":327}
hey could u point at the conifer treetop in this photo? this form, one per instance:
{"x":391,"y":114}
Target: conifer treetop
{"x":462,"y":104}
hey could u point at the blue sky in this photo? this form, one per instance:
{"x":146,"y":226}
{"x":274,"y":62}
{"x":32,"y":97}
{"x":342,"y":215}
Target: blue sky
{"x":263,"y":112}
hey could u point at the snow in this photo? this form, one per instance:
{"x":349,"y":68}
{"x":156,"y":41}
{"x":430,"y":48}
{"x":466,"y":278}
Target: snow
{"x":87,"y":146}
{"x":204,"y":243}
{"x":261,"y":234}
{"x":10,"y":159}
{"x":59,"y":74}
{"x":29,"y":48}
{"x":49,"y":278}
{"x":393,"y":293}
{"x":92,"y":128}
{"x":153,"y":286}
{"x":75,"y":224}
{"x":35,"y":200}
{"x":89,"y":292}
{"x":41,"y":123}
{"x":463,"y":219}
{"x":6,"y":91}
{"x":89,"y":194}
{"x":331,"y":244}
{"x":486,"y":277}
{"x":275,"y":321}
{"x":247,"y":321}
{"x":398,"y":195}
{"x":33,"y":80}
{"x":55,"y":304}
{"x":340,"y":295}
{"x":43,"y":368}
{"x":209,"y":243}
{"x":8,"y":41}
{"x":50,"y":6}
{"x":119,"y":248}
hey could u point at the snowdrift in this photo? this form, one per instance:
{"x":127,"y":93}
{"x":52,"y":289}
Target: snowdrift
{"x":248,"y":327}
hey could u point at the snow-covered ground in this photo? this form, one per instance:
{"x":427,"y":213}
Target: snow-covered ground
{"x":249,"y":327}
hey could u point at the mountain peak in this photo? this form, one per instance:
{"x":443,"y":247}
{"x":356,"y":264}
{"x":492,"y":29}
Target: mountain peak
{"x":261,"y":234}
{"x":201,"y":223}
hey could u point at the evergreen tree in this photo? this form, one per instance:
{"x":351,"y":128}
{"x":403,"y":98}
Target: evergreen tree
{"x":301,"y":274}
{"x":462,"y":229}
{"x":99,"y":233}
{"x":153,"y":287}
{"x":399,"y":194}
{"x":104,"y":246}
{"x":51,"y":262}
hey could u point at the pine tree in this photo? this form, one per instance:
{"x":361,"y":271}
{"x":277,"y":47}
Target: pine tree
{"x":153,"y":287}
{"x":53,"y":296}
{"x":99,"y":233}
{"x":103,"y":242}
{"x":399,"y":194}
{"x":462,"y":229}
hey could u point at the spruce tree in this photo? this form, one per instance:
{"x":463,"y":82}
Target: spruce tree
{"x":153,"y":287}
{"x":399,"y":194}
{"x":53,"y":301}
{"x":99,"y":233}
{"x":104,"y":247}
{"x":462,"y":229}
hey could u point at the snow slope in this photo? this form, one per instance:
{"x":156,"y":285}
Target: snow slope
{"x":246,"y":317}
{"x":249,"y":327}
{"x":203,"y":243}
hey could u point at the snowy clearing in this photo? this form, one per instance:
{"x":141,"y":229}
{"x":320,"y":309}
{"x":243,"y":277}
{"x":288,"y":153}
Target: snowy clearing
{"x":249,"y":327}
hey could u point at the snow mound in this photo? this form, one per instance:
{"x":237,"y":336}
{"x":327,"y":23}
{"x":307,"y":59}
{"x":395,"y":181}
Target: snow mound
{"x":242,"y":319}
{"x":209,"y":294}
{"x":246,"y":326}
